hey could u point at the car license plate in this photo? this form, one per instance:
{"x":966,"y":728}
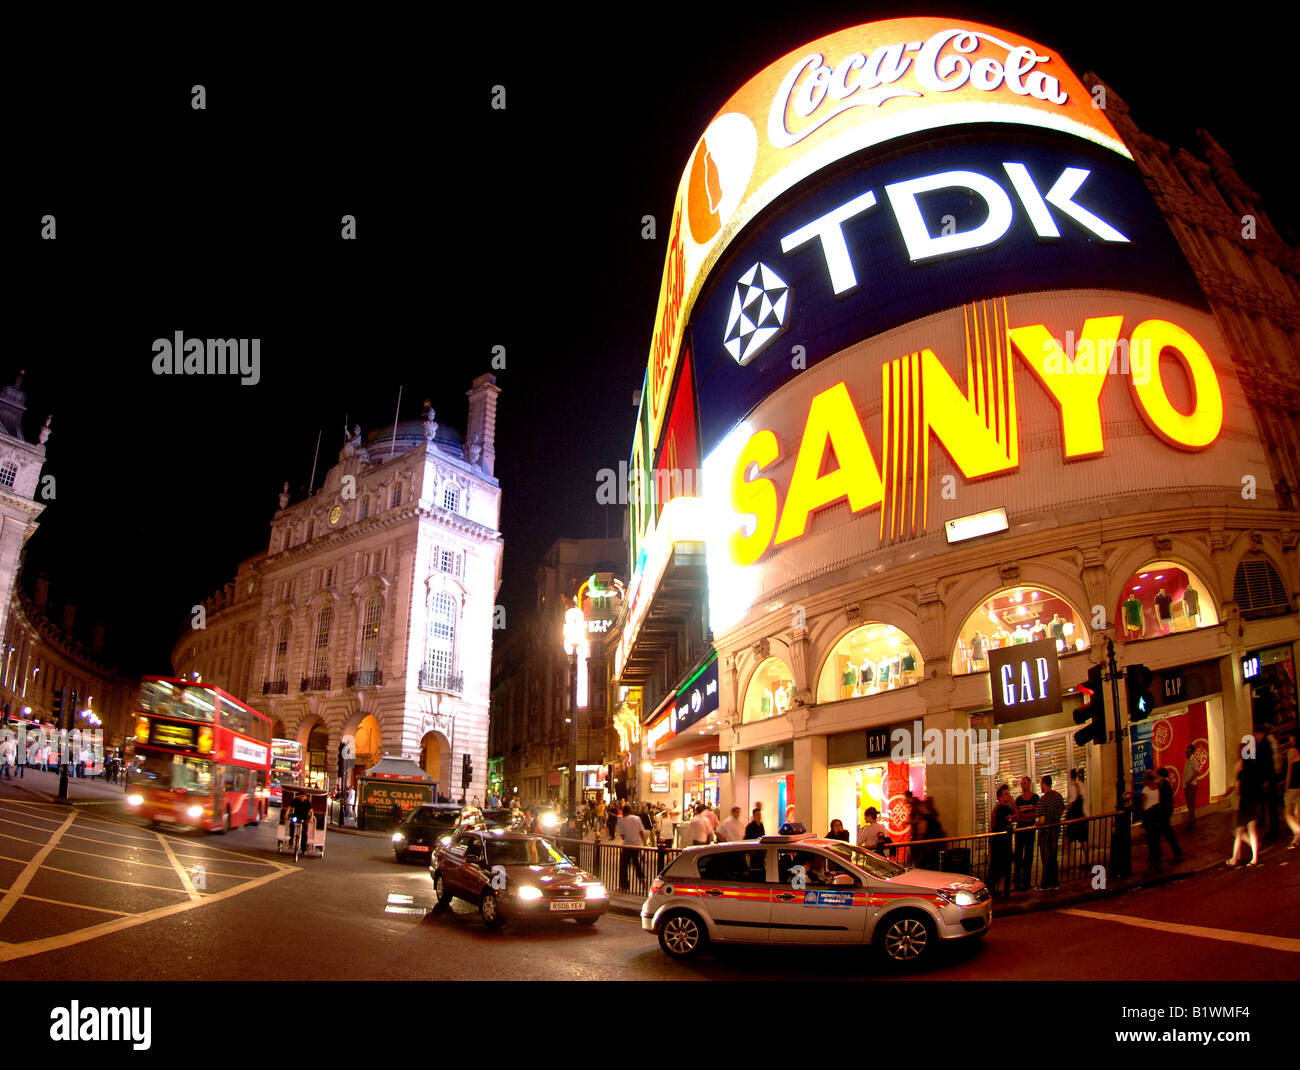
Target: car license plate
{"x":568,"y":906}
{"x":418,"y":847}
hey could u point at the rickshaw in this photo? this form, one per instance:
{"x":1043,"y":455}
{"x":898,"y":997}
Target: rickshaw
{"x":288,"y":838}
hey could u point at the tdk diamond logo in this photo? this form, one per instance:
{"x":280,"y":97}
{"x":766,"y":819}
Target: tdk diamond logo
{"x":758,"y":310}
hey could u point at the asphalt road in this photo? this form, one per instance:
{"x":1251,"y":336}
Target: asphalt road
{"x":90,"y":894}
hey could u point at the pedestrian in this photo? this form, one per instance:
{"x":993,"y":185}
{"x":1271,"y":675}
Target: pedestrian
{"x":872,"y":833}
{"x":1291,"y":800}
{"x":7,"y":749}
{"x":570,"y":830}
{"x":1166,"y":786}
{"x":1191,"y":781}
{"x":754,"y":830}
{"x":611,"y":820}
{"x":1152,"y":817}
{"x":733,"y":829}
{"x":665,"y":828}
{"x":646,"y":819}
{"x":711,"y":816}
{"x":1051,"y":808}
{"x":699,"y":831}
{"x":82,"y":761}
{"x":931,"y":829}
{"x":1249,"y":788}
{"x":1272,"y":763}
{"x":838,"y":831}
{"x":633,"y":833}
{"x":1076,"y":832}
{"x":1001,"y":824}
{"x":22,"y":756}
{"x":1026,"y":804}
{"x":350,"y":806}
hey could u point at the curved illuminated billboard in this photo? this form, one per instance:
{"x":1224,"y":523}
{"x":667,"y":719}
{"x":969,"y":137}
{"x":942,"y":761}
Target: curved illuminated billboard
{"x":910,"y":257}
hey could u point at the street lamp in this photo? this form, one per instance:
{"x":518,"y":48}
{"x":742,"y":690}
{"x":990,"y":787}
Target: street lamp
{"x":575,"y":639}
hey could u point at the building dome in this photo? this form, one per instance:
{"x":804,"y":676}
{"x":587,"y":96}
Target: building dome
{"x":383,"y":445}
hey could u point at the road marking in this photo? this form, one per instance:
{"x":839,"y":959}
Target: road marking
{"x":19,"y":886}
{"x":9,"y":952}
{"x":1231,"y":936}
{"x":180,"y":870}
{"x":114,"y":880}
{"x":79,"y":906}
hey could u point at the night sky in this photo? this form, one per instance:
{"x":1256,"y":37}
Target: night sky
{"x":476,"y":228}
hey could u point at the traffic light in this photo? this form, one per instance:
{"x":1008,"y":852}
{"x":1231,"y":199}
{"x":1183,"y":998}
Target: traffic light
{"x":74,"y":702}
{"x":56,"y":707}
{"x":466,"y":771}
{"x":1137,"y":681}
{"x":1092,"y":711}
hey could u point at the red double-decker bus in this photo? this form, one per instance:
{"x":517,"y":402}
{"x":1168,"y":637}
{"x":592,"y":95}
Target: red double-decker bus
{"x":286,"y":766}
{"x":201,"y":757}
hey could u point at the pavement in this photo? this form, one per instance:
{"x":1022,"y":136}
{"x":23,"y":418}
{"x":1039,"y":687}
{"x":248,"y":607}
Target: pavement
{"x":1205,"y":848}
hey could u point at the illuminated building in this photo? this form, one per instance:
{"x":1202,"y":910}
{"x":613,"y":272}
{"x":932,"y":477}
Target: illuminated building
{"x":369,"y":620}
{"x":953,"y":388}
{"x":531,"y":687}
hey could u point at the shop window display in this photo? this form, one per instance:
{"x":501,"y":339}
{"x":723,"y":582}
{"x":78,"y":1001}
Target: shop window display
{"x":1013,"y":616}
{"x":770,"y":691}
{"x":1162,"y":598}
{"x":872,"y":658}
{"x":884,"y":785}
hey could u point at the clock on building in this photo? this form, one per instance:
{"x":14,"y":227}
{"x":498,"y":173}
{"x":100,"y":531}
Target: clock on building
{"x":335,"y":514}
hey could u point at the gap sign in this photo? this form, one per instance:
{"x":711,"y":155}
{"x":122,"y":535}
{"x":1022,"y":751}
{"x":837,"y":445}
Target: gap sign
{"x":1025,"y":681}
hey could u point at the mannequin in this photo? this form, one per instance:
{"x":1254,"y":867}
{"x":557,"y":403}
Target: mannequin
{"x":1057,"y":627}
{"x":1192,"y":603}
{"x":848,"y":681}
{"x":1164,"y":610}
{"x":1132,"y":612}
{"x":909,"y":666}
{"x":1020,"y":635}
{"x":886,"y":681}
{"x":1038,"y":631}
{"x":979,"y":648}
{"x":1000,"y":638}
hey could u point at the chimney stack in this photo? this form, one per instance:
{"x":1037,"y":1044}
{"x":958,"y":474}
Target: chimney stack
{"x":483,"y":419}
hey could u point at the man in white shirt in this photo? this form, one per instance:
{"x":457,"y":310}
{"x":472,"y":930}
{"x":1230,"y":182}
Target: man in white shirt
{"x":699,"y":830}
{"x":732,"y":829}
{"x":633,"y":833}
{"x":666,"y":828}
{"x":870,"y":834}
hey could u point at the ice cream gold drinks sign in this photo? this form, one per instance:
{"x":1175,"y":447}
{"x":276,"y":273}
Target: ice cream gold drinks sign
{"x":836,"y":96}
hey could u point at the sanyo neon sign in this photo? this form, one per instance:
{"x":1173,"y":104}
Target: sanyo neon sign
{"x":979,"y":446}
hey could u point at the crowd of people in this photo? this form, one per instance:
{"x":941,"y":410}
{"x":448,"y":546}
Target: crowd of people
{"x":82,"y":763}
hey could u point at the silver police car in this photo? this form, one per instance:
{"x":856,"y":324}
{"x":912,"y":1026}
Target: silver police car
{"x":797,"y":889}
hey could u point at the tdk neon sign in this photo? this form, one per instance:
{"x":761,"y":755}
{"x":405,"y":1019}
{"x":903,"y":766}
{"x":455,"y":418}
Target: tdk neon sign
{"x":922,"y":245}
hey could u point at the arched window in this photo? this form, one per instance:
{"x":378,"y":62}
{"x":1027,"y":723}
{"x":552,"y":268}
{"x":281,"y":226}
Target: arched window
{"x":279,"y":668}
{"x":1163,"y":597}
{"x":370,"y":633}
{"x":440,"y":640}
{"x":321,"y":665}
{"x":1258,"y":589}
{"x":397,"y":495}
{"x":770,"y":691}
{"x":1017,"y":615}
{"x":872,"y":658}
{"x":8,"y":473}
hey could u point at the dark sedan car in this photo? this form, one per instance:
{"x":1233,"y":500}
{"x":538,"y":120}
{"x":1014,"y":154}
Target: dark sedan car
{"x":515,"y":875}
{"x":418,"y":835}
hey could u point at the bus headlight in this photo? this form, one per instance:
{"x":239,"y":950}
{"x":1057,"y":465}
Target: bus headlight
{"x":195,"y":811}
{"x":134,"y":800}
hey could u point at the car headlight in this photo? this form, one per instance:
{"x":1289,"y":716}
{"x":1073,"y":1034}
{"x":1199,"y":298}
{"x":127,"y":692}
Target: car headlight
{"x":195,"y":811}
{"x":398,"y":837}
{"x":966,"y":899}
{"x":134,"y":800}
{"x":597,"y":891}
{"x":445,"y":841}
{"x":549,"y":821}
{"x":528,"y":892}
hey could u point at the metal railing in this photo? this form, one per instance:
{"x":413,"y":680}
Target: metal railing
{"x":366,"y":678}
{"x":452,"y":682}
{"x":1081,"y":843}
{"x":606,"y":862}
{"x":315,"y":683}
{"x":275,"y":687}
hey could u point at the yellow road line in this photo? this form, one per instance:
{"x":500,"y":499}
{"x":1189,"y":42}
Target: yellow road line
{"x":123,"y":846}
{"x":9,"y":952}
{"x":109,"y":858}
{"x":1231,"y":936}
{"x":78,"y":906}
{"x":6,"y":836}
{"x":180,"y":870}
{"x":29,"y":871}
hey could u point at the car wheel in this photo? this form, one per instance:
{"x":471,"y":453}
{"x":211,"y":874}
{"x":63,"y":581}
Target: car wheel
{"x":488,"y":911}
{"x":225,"y":824}
{"x":682,"y":935}
{"x":440,"y":890}
{"x":399,"y":856}
{"x":906,"y":937}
